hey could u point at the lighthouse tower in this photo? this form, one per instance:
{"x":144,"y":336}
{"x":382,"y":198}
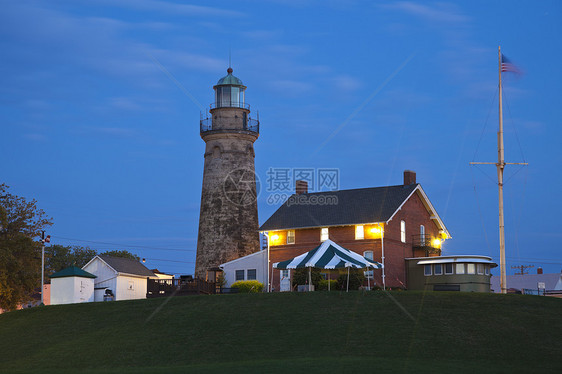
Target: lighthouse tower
{"x":228,"y":220}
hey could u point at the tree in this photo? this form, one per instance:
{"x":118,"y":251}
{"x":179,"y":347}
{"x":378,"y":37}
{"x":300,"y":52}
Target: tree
{"x":58,"y":257}
{"x":122,"y":253}
{"x":300,"y":276}
{"x":21,"y":223}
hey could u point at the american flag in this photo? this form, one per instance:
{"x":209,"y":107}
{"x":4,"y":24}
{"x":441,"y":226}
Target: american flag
{"x":508,"y":66}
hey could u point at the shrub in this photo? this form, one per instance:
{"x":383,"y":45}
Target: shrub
{"x":252,"y":286}
{"x":324,"y":285}
{"x":300,"y":276}
{"x":356,"y":279}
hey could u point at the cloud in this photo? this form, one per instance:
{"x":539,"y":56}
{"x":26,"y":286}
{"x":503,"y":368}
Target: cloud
{"x":174,"y":8}
{"x":440,"y":12}
{"x":112,"y":132}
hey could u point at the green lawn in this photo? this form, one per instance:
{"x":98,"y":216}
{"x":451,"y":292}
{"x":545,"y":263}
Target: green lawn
{"x":408,"y":332}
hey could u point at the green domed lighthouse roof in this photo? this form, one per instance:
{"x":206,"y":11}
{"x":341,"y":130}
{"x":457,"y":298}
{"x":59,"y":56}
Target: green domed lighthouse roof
{"x":230,"y":79}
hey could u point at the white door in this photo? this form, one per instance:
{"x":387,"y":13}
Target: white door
{"x":285,"y":284}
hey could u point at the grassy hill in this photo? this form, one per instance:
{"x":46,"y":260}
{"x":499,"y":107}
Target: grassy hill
{"x":398,"y":332}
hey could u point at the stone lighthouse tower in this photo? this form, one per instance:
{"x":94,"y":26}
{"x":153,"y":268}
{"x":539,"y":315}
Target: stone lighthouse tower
{"x":228,"y":220}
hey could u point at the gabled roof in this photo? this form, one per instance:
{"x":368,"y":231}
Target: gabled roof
{"x":552,"y":281}
{"x":346,"y":207}
{"x":72,"y":271}
{"x":126,"y":265}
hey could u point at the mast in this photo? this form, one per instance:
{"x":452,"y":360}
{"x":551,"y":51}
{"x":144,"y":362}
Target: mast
{"x":500,"y":165}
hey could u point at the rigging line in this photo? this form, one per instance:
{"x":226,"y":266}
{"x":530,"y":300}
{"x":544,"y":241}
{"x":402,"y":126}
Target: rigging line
{"x":485,"y":124}
{"x":514,"y":127}
{"x":516,"y":236}
{"x":124,"y":245}
{"x":480,"y":213}
{"x":514,"y":174}
{"x":483,"y":172}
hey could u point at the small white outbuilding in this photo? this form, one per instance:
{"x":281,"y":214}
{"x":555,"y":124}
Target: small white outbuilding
{"x":250,"y":267}
{"x":123,"y":278}
{"x":72,"y":285}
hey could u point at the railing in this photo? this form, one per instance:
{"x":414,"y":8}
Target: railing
{"x":250,"y":124}
{"x":178,"y":287}
{"x":230,"y":105}
{"x":425,"y":242}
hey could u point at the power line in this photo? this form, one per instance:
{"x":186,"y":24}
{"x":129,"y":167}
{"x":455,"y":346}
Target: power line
{"x":125,"y":245}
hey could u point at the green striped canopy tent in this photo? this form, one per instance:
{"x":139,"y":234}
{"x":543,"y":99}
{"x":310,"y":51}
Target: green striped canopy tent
{"x":328,"y":255}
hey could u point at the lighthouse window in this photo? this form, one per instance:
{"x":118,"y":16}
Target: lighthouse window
{"x":470,"y":269}
{"x":427,"y":270}
{"x":460,"y":268}
{"x":448,"y":268}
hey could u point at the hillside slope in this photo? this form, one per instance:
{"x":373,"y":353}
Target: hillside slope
{"x":289,"y":332}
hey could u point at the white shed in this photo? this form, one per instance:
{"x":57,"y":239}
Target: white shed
{"x":250,"y":267}
{"x":123,"y":277}
{"x":72,"y":285}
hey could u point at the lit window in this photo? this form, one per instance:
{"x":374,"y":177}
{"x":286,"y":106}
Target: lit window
{"x":291,"y":237}
{"x":438,"y":269}
{"x":403,"y":231}
{"x":427,"y":270}
{"x":251,"y":274}
{"x":470,"y":269}
{"x":368,"y":255}
{"x":459,"y":269}
{"x":239,"y":275}
{"x":324,"y":234}
{"x":359,"y":232}
{"x":448,"y":268}
{"x":480,"y":268}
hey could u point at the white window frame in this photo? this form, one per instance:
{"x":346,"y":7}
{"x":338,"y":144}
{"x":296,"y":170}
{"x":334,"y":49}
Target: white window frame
{"x":248,"y":274}
{"x":236,"y":272}
{"x":480,"y":269}
{"x":403,"y":231}
{"x":487,"y":269}
{"x":422,"y":234}
{"x":368,"y":255}
{"x":452,"y":268}
{"x":359,"y":232}
{"x":292,"y":241}
{"x":324,"y":234}
{"x":460,"y":266}
{"x":425,"y":268}
{"x":471,"y":268}
{"x":440,"y":269}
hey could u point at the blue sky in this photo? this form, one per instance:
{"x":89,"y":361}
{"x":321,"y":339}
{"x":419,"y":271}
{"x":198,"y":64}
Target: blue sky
{"x":100,"y":105}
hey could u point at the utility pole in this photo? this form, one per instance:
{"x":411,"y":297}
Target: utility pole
{"x":43,"y":241}
{"x":500,"y":165}
{"x":523,"y":269}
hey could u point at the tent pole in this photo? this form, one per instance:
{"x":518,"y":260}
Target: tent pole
{"x":329,"y":278}
{"x":347,"y":280}
{"x":368,"y":280}
{"x":309,"y":279}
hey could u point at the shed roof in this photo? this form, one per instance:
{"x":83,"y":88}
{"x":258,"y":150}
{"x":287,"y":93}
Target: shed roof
{"x":126,"y":265}
{"x":72,"y":271}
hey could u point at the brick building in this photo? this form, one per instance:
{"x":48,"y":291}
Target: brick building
{"x":386,"y":224}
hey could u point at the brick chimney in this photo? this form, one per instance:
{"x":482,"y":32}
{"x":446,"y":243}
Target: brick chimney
{"x":301,"y":187}
{"x":409,"y":177}
{"x":539,"y":270}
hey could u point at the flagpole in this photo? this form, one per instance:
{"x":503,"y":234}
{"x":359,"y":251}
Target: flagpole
{"x":500,"y":167}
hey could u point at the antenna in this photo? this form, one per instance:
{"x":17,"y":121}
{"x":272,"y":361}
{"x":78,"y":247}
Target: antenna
{"x":229,"y":57}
